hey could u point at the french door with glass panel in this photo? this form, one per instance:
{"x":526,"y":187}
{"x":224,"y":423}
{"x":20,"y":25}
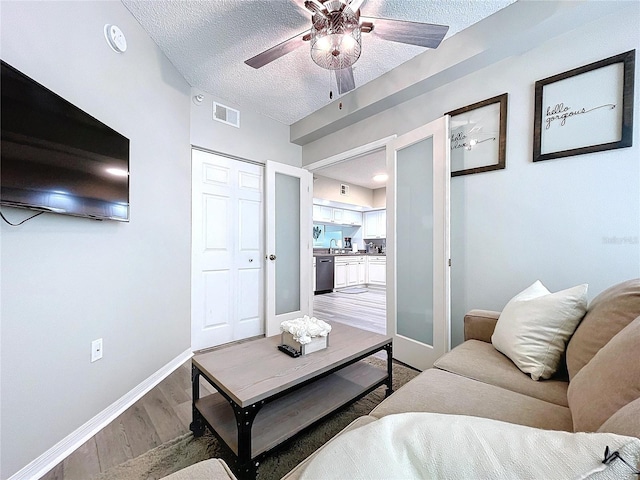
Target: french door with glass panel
{"x":418,"y":301}
{"x":288,"y":253}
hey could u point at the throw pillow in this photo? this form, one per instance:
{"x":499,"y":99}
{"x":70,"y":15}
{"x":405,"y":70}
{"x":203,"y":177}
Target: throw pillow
{"x":608,"y":382}
{"x":535,"y":326}
{"x":609,"y":312}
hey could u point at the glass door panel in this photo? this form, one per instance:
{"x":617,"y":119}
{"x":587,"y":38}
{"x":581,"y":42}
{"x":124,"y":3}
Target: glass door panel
{"x":414,"y":227}
{"x":287,"y":218}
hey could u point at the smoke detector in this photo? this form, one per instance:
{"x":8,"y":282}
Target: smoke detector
{"x":115,"y":38}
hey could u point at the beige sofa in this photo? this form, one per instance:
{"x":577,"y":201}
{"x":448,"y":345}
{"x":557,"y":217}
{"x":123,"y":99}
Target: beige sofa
{"x":598,"y":391}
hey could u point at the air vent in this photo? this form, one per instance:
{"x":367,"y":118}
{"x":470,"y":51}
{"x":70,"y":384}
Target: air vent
{"x":225,"y":114}
{"x":344,"y":189}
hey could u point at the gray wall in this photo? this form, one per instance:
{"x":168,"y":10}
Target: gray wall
{"x":67,"y":281}
{"x":259,"y":138}
{"x":551,"y":220}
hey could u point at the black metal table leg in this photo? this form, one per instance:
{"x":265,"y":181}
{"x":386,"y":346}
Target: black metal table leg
{"x":247,"y":468}
{"x":389,"y":348}
{"x":197,"y":421}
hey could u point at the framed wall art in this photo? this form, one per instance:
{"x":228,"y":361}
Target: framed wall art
{"x":585,"y":110}
{"x":479,"y":136}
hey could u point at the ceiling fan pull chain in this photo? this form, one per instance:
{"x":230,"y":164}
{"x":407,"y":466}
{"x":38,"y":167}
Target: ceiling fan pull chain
{"x":330,"y":87}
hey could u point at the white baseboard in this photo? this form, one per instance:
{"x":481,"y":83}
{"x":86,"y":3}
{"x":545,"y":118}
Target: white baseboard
{"x":65,"y":447}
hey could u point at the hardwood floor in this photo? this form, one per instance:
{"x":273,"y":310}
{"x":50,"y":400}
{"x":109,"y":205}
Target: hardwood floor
{"x":363,"y":310}
{"x":165,"y":412}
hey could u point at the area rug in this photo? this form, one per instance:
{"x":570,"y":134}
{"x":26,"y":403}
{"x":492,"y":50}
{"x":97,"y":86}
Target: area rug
{"x":187,"y":450}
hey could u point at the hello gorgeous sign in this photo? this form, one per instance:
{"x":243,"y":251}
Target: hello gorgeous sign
{"x":561,"y":113}
{"x":585,"y":110}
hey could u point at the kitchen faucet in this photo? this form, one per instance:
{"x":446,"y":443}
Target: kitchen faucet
{"x":330,"y":249}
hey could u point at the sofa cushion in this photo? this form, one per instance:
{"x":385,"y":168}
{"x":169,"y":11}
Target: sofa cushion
{"x":608,"y":313}
{"x":625,"y":421}
{"x":481,"y":361}
{"x":608,"y":382}
{"x":535,"y":326}
{"x":438,"y":391}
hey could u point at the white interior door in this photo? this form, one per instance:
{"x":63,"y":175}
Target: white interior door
{"x":288,"y":255}
{"x":227,"y":250}
{"x":418,"y":302}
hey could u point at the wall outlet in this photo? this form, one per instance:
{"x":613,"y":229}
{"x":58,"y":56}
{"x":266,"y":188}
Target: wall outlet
{"x":96,"y":350}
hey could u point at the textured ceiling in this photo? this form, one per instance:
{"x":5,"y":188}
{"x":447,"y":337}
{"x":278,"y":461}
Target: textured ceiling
{"x":208,"y":42}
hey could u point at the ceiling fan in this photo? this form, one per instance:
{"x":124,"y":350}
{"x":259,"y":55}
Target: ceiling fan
{"x":335,"y":37}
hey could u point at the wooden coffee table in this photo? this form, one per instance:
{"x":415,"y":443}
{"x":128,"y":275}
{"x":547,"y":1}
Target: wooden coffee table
{"x":265,"y":397}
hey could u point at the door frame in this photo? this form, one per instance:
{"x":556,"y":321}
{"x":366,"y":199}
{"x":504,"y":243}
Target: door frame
{"x":349,"y":155}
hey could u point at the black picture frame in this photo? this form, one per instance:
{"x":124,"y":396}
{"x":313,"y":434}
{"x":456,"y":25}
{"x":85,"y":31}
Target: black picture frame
{"x":485,"y":123}
{"x":585,"y":110}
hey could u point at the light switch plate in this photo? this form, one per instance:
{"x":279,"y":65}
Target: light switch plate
{"x":96,"y":350}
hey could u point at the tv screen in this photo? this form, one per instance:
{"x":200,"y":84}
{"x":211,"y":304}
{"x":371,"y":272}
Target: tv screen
{"x":57,"y":158}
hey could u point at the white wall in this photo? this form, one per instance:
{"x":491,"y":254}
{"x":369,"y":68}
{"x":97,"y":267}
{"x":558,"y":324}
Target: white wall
{"x":66,"y":280}
{"x":549,"y":220}
{"x":259,"y":138}
{"x":380,"y":198}
{"x":329,"y":189}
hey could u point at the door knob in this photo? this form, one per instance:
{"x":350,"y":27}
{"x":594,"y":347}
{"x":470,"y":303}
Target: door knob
{"x":272,"y":257}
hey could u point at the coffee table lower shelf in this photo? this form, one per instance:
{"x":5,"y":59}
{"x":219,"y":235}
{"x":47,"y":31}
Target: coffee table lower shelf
{"x":288,"y":415}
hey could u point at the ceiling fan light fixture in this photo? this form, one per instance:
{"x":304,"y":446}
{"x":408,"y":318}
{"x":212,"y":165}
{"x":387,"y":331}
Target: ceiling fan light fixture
{"x":336,"y":40}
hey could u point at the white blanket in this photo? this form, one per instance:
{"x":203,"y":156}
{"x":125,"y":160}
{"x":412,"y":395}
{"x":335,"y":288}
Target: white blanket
{"x":429,"y":445}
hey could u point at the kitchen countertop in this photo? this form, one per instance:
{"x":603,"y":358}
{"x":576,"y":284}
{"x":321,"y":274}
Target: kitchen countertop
{"x":349,"y":254}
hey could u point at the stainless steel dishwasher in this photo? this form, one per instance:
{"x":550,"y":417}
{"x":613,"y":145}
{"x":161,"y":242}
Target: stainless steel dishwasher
{"x":324,"y":274}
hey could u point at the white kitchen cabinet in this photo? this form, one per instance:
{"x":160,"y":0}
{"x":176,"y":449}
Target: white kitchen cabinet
{"x":340,"y":272}
{"x":337,"y":215}
{"x":382,"y":223}
{"x":322,"y":214}
{"x":340,"y":216}
{"x":377,"y":270}
{"x":350,"y":270}
{"x":375,"y":224}
{"x":370,"y":224}
{"x":352,"y":217}
{"x":362,"y":271}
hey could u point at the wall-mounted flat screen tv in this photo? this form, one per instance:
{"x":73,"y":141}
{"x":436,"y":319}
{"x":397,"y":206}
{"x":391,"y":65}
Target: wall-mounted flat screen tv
{"x":57,"y":158}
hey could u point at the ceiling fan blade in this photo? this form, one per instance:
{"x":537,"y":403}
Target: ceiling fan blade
{"x":315,"y":6}
{"x":356,"y":4}
{"x":414,"y":33}
{"x":345,"y":80}
{"x":278,"y":51}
